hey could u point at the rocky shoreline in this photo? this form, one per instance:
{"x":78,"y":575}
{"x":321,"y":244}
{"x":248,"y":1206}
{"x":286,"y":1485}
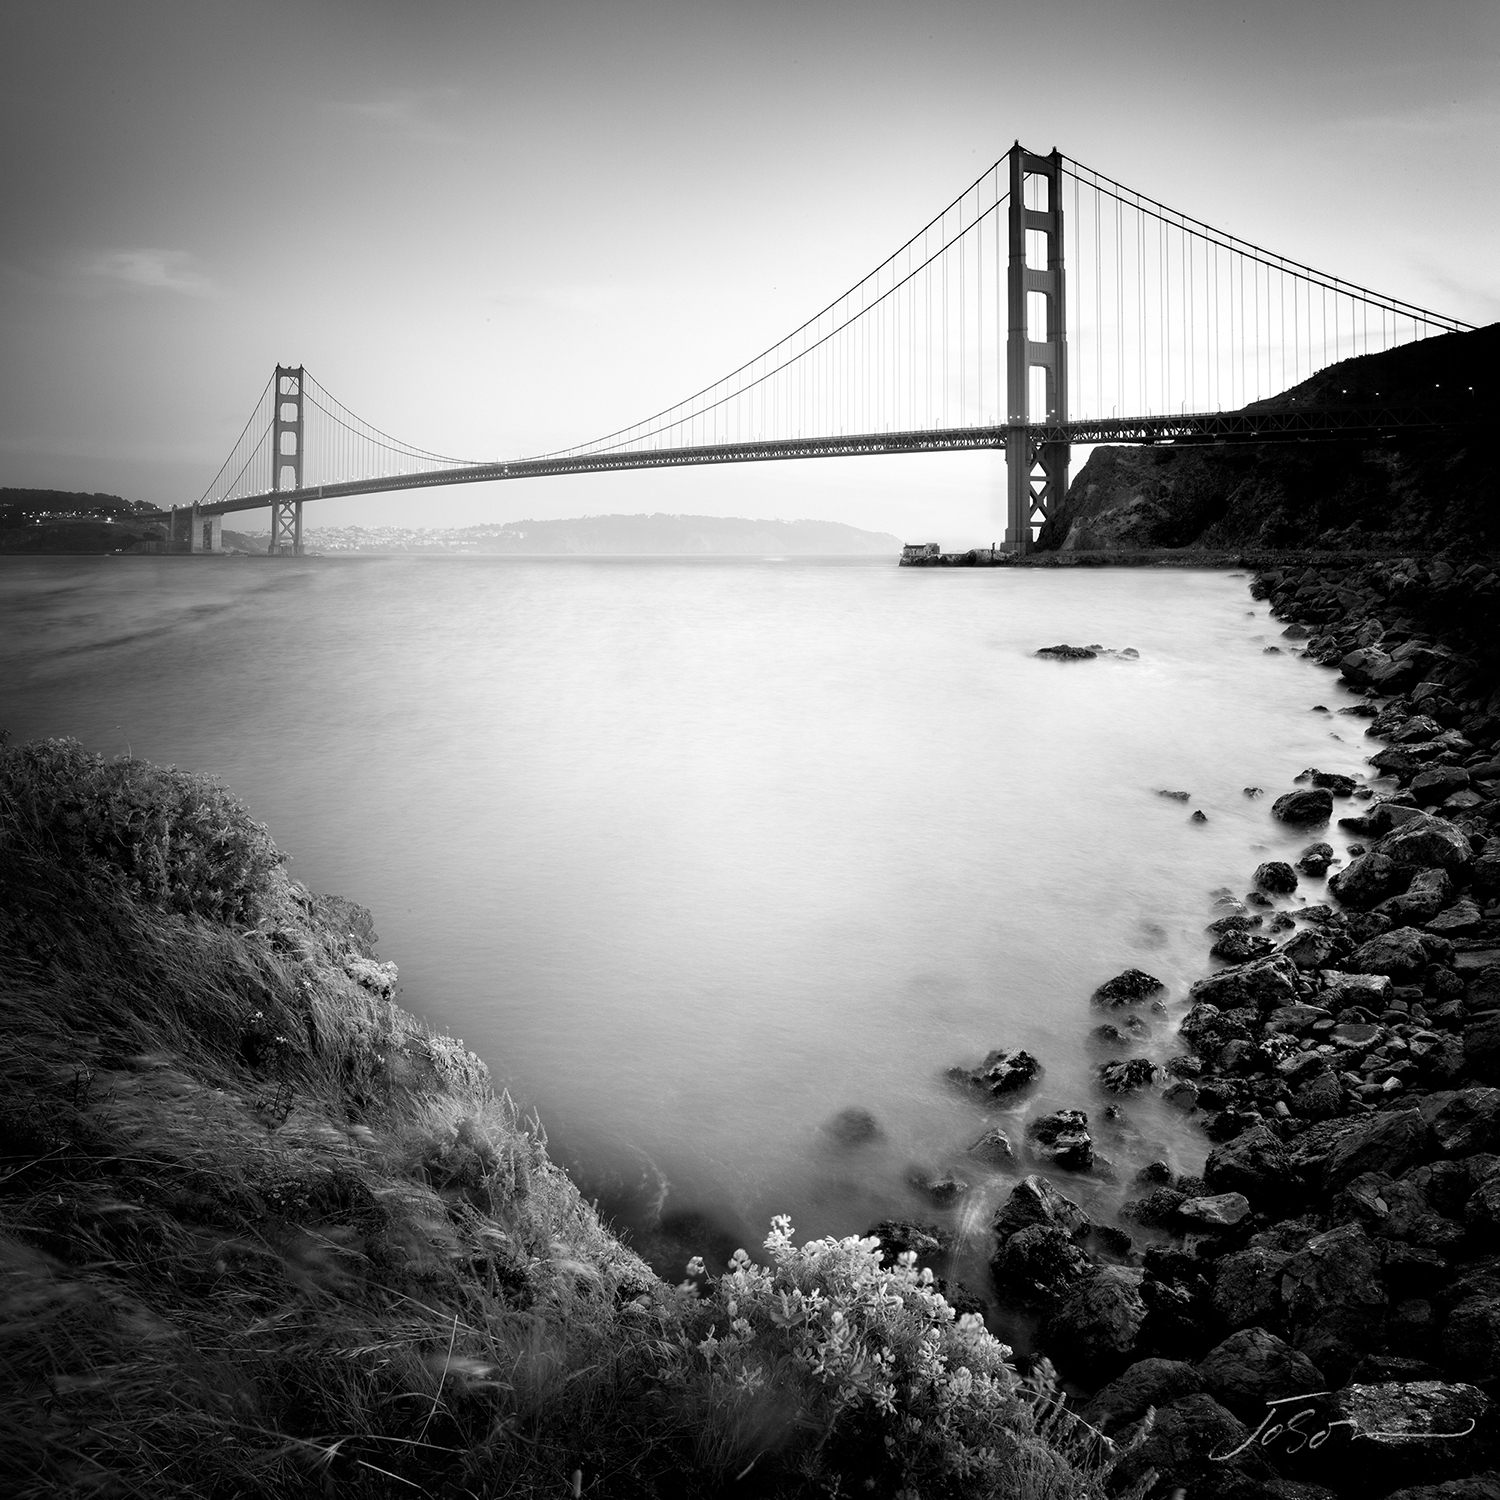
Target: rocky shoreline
{"x":1318,"y":1314}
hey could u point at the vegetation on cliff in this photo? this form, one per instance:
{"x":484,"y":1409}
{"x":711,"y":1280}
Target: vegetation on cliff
{"x":264,"y":1233}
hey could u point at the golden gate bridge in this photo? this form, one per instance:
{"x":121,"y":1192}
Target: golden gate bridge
{"x":1046,"y":305}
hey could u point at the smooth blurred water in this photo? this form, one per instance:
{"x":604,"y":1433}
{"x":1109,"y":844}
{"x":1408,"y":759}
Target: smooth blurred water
{"x":698,"y":852}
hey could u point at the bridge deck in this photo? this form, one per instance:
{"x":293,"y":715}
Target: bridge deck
{"x":1282,"y":425}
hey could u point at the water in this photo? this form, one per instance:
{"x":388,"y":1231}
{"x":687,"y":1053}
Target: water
{"x":696,"y":853}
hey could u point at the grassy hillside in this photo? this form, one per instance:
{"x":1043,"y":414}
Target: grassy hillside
{"x":263,"y":1233}
{"x":49,"y":521}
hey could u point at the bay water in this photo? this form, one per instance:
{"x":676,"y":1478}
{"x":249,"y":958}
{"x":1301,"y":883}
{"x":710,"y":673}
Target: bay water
{"x":698,"y":853}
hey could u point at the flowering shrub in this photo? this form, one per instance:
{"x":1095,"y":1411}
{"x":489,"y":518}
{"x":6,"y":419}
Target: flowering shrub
{"x":855,"y":1374}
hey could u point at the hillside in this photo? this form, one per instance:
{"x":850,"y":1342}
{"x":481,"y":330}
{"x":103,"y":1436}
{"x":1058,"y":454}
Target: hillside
{"x":50,"y":521}
{"x":264,"y":1234}
{"x":1427,"y":491}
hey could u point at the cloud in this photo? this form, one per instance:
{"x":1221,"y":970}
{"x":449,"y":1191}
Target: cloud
{"x":407,"y":114}
{"x":154,"y":270}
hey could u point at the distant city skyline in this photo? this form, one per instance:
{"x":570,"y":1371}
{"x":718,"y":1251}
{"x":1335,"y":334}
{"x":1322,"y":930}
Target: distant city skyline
{"x":494,"y":229}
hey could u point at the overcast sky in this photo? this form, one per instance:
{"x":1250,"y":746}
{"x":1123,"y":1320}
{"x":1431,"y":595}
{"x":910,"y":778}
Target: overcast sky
{"x":497,"y":228}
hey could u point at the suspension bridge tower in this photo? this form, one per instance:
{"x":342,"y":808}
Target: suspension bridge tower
{"x":286,"y":463}
{"x":1036,"y":469}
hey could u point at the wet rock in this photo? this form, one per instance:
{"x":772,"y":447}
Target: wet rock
{"x":1262,"y":984}
{"x":1175,"y":796}
{"x":993,"y":1147}
{"x":1034,"y":1200}
{"x":1181,"y":1094}
{"x":942,"y":1188}
{"x":1247,"y":1286}
{"x":853,"y":1127}
{"x":1199,"y":816}
{"x":1315,"y":859}
{"x":1095,"y":1326}
{"x":1429,"y":892}
{"x":1146,"y":1383}
{"x":927,"y":1242}
{"x":1252,"y":792}
{"x":1038,"y":1265}
{"x":1315,"y":806}
{"x":1369,"y":879}
{"x":1127,"y":1077}
{"x":1471,"y":1333}
{"x":1403,"y":955}
{"x":1157,"y":1210}
{"x":1241,"y":947}
{"x":1310,"y":948}
{"x":1406,"y":1429}
{"x":1002,"y":1075}
{"x":1330,"y":781}
{"x":1459,"y":919}
{"x":1334,"y":1298}
{"x":1441,"y":782}
{"x":1464,"y":1121}
{"x":1178,"y":1450}
{"x":1320,"y":1098}
{"x":1426,"y":841}
{"x":1132,"y":987}
{"x":1482,"y":1049}
{"x":1067,"y":653}
{"x":1222,"y":1211}
{"x":1252,"y":1367}
{"x":1254,"y":1163}
{"x":1390,"y":1142}
{"x":1062,"y":1139}
{"x":1341,"y":990}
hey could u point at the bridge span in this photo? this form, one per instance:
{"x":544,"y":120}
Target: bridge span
{"x":981,"y":332}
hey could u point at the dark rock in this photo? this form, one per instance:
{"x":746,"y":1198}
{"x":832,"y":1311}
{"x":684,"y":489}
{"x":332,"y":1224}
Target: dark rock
{"x":1154,"y":1172}
{"x":1276,"y":876}
{"x":1157,"y":1210}
{"x":1460,"y":918}
{"x":1434,"y":786}
{"x":1002,"y":1075}
{"x":1482,"y":1049}
{"x":1254,"y":1163}
{"x":1199,"y":816}
{"x":1067,"y":653}
{"x":1406,"y":1429}
{"x":1334,"y":1298}
{"x":1252,"y":1367}
{"x":1474,"y":1487}
{"x":1463,"y":1122}
{"x":1369,"y":879}
{"x":1176,"y":796}
{"x":1126,"y":1077}
{"x":1241,"y":947}
{"x":1034,"y":1200}
{"x":1178,"y":1450}
{"x":1038,"y":1265}
{"x":1310,"y":948}
{"x":1320,"y":1098}
{"x":1247,"y":1286}
{"x":1129,"y":988}
{"x":1264,"y":984}
{"x":897,"y":1237}
{"x":1390,"y":1143}
{"x":1094,"y":1327}
{"x":1429,"y":892}
{"x":1315,"y":806}
{"x":1062,"y":1139}
{"x":993,"y":1147}
{"x":1403,"y":954}
{"x":1222,"y":1211}
{"x":1146,"y":1383}
{"x":942,"y":1187}
{"x":1315,"y":859}
{"x":1426,"y":841}
{"x":853,"y":1127}
{"x":1471,"y":1334}
{"x":1331,"y":781}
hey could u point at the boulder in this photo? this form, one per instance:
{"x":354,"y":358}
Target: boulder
{"x":1463,"y":1122}
{"x":1474,"y":1487}
{"x":1002,"y":1075}
{"x":1429,"y":892}
{"x":1425,"y":842}
{"x":1241,"y":947}
{"x":1062,"y":1139}
{"x":1254,"y":1163}
{"x":1460,"y":918}
{"x":1261,"y":985}
{"x":1130,"y":988}
{"x":1309,"y":807}
{"x":1320,"y":1098}
{"x":1471,"y":1334}
{"x":1406,"y":1430}
{"x":1315,"y":859}
{"x":1034,"y":1200}
{"x":1038,"y":1265}
{"x":1252,"y":1367}
{"x":1311,"y":948}
{"x":1221,"y":1211}
{"x":1334,"y":1298}
{"x":1331,"y":781}
{"x":1341,"y":990}
{"x":1095,"y":1326}
{"x":1369,"y":879}
{"x":1482,"y":1049}
{"x":1275,"y":876}
{"x":1146,"y":1383}
{"x":1066,"y":653}
{"x":1247,"y":1286}
{"x":1179,"y":1449}
{"x":899,"y":1236}
{"x":853,"y":1127}
{"x":1435,"y":785}
{"x":1126,"y":1077}
{"x":1402,"y":954}
{"x":1391,"y":1143}
{"x":993,"y":1147}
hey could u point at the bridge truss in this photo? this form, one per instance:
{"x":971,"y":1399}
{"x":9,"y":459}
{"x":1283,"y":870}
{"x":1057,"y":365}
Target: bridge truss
{"x":1046,"y":305}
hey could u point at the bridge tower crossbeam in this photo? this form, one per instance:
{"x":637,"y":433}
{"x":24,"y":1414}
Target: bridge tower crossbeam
{"x":286,"y":462}
{"x":1036,"y":469}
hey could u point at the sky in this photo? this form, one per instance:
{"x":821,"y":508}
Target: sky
{"x":499,"y":228}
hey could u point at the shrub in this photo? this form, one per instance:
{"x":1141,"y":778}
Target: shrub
{"x":180,"y":841}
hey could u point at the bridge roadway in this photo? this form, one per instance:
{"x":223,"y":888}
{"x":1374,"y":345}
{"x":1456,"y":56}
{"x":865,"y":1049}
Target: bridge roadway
{"x":1281,"y":425}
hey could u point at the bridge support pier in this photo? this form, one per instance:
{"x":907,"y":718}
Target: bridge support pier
{"x":286,"y":463}
{"x":1036,"y":471}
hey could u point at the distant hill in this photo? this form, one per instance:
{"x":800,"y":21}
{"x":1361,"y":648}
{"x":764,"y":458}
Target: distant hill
{"x":618,"y":536}
{"x":48,"y":521}
{"x":1423,"y":491}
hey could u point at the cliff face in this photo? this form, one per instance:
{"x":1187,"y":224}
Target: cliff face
{"x":1419,"y":492}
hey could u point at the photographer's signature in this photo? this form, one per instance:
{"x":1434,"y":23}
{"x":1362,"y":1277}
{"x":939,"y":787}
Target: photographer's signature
{"x":1299,"y":1429}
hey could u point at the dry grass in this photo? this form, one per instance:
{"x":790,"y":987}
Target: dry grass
{"x":262,"y":1233}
